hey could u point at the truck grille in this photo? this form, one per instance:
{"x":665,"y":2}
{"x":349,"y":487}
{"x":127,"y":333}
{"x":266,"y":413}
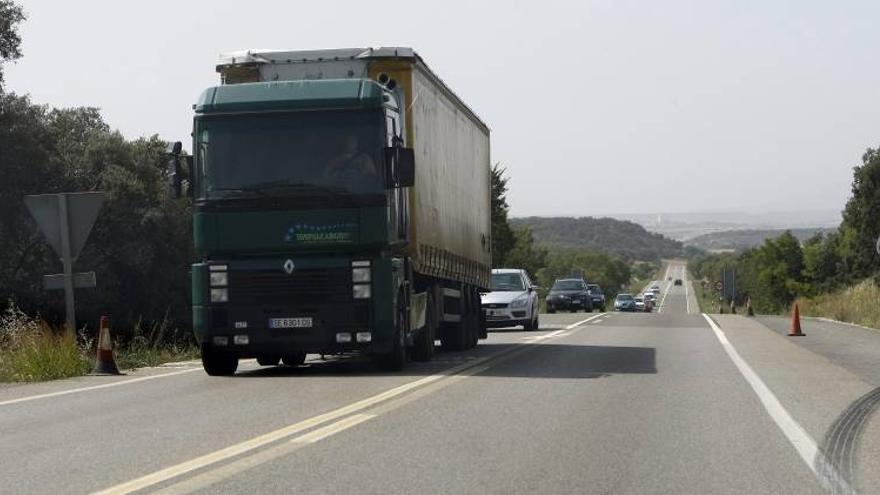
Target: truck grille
{"x":302,"y":286}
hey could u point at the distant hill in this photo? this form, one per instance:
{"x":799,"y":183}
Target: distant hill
{"x":607,"y":235}
{"x":745,"y":239}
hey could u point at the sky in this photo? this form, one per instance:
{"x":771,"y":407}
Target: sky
{"x":595,"y":107}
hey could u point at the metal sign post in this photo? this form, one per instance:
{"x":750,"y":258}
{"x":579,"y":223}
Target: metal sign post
{"x":66,"y":220}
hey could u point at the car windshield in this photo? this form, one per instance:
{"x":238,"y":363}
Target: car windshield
{"x":567,"y":285}
{"x":624,"y":297}
{"x":308,"y":151}
{"x":594,"y":289}
{"x":507,"y":282}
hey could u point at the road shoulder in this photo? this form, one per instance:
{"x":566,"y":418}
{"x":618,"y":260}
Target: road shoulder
{"x":817,"y":392}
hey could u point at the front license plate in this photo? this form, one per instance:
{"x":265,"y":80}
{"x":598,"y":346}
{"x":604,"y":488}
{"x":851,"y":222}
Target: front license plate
{"x":305,"y":322}
{"x":576,"y":301}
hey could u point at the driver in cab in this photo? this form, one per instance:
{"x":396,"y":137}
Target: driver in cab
{"x":350,"y":165}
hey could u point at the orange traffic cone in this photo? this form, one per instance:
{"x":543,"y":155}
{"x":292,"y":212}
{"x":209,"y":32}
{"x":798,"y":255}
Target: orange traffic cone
{"x":105,"y":364}
{"x":796,"y":323}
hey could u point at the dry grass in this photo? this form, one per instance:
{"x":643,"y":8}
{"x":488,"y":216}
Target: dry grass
{"x":31,"y":350}
{"x":859,"y":304}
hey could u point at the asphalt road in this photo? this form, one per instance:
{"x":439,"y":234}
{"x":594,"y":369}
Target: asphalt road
{"x":591,"y":403}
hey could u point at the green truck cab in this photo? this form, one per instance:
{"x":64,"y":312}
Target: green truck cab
{"x":315,"y":229}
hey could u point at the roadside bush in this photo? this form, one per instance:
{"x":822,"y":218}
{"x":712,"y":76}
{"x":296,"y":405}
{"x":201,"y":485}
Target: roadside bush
{"x":856,"y":304}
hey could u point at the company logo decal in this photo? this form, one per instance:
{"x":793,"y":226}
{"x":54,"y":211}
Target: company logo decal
{"x":319,"y":234}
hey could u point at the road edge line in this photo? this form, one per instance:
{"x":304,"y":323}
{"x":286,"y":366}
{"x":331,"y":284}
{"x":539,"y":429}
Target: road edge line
{"x":796,"y":435}
{"x":94,"y":387}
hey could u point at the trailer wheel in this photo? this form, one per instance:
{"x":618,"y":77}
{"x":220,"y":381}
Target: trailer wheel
{"x":219,"y":363}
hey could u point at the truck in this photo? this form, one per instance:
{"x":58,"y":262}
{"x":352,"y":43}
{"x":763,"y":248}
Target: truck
{"x":341,"y":204}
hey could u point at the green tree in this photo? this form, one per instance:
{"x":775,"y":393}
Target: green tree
{"x":822,"y":263}
{"x":503,"y":238}
{"x":861,"y":220}
{"x":525,"y":254}
{"x":10,"y":41}
{"x":141,"y":244}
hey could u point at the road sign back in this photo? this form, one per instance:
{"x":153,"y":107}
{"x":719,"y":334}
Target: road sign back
{"x":82,"y":210}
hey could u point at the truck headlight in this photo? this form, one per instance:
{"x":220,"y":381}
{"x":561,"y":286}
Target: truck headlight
{"x":361,"y":291}
{"x":220,"y":295}
{"x":360,"y":275}
{"x":219,"y":279}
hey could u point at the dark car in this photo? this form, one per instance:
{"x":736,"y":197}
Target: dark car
{"x":570,"y":294}
{"x":597,"y":296}
{"x":677,"y":281}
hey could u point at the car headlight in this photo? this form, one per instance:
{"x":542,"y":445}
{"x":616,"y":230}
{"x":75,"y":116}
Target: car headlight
{"x":220,"y":295}
{"x":520,"y":301}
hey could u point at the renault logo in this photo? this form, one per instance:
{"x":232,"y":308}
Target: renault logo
{"x":288,"y":266}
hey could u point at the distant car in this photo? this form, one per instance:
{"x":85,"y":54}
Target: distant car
{"x":649,"y":297}
{"x":513,"y":300}
{"x":677,"y":282}
{"x":656,"y":291}
{"x":597,"y":296}
{"x":640,"y":303}
{"x":624,"y":302}
{"x":571,"y":294}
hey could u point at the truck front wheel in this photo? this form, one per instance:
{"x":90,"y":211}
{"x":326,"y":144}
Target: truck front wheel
{"x":396,"y":359}
{"x":219,"y":363}
{"x":294,"y":358}
{"x":423,"y":346}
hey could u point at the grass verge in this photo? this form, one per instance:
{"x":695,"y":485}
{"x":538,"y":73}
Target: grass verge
{"x":31,"y":350}
{"x":856,"y":304}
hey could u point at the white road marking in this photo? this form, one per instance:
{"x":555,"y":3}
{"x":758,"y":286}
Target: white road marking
{"x":96,"y":387}
{"x":687,"y":299}
{"x":802,"y":442}
{"x":240,"y":448}
{"x":332,"y":429}
{"x":575,"y":325}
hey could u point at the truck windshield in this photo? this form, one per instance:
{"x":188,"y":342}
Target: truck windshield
{"x":337,"y":152}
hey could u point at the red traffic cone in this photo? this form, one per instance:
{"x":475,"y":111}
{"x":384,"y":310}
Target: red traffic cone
{"x":105,"y":364}
{"x":796,"y":323}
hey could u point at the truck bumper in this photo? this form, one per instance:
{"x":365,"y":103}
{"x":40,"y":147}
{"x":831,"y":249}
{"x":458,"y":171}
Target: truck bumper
{"x":256,"y":296}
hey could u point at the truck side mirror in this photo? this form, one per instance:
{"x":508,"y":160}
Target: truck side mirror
{"x":190,"y":174}
{"x":175,"y":177}
{"x":173,"y":169}
{"x":399,"y":167}
{"x":406,"y":167}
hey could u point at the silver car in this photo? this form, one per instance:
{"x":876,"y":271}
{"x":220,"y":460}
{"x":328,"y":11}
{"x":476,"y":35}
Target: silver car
{"x":513,"y":300}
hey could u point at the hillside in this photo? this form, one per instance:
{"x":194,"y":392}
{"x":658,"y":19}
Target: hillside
{"x":607,"y":235}
{"x":745,"y":239}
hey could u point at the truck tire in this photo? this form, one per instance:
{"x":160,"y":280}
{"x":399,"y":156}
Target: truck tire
{"x":452,"y":336}
{"x":423,"y":344}
{"x":395,"y":359}
{"x":219,"y":363}
{"x":268,"y":360}
{"x":294,"y":358}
